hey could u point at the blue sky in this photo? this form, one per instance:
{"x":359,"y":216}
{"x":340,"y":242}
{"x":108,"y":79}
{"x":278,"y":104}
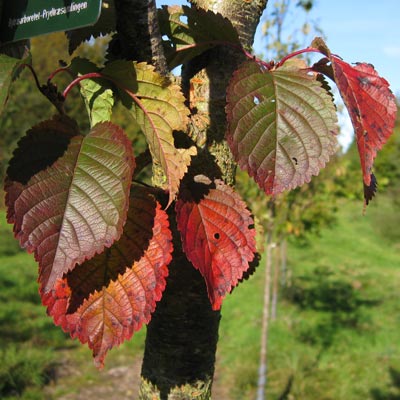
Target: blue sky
{"x":356,"y":30}
{"x":360,"y":30}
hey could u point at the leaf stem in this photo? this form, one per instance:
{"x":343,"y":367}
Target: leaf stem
{"x":48,"y":90}
{"x":296,"y":53}
{"x":90,"y":75}
{"x":57,"y":71}
{"x":235,"y":46}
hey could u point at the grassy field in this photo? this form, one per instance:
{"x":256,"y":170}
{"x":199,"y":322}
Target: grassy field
{"x":336,"y":335}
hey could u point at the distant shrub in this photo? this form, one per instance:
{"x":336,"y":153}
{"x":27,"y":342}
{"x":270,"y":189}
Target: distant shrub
{"x":21,"y":368}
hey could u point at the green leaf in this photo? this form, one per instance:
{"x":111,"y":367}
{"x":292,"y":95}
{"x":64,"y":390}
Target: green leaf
{"x":281,"y":124}
{"x":203,"y":30}
{"x":9,"y":70}
{"x":97,"y":94}
{"x":158,"y":106}
{"x":72,"y":210}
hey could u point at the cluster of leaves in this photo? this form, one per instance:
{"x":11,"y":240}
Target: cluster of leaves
{"x":103,"y":244}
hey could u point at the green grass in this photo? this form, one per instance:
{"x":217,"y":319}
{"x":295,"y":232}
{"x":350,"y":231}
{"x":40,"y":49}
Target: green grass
{"x":336,"y":335}
{"x":27,"y":335}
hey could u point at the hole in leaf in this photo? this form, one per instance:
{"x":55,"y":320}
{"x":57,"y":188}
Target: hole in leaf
{"x":273,"y":101}
{"x":256,"y":100}
{"x":216,"y":235}
{"x":183,"y":19}
{"x":295,"y":160}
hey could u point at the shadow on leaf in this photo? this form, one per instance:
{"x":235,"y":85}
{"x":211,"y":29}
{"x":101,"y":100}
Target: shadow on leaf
{"x":99,"y":271}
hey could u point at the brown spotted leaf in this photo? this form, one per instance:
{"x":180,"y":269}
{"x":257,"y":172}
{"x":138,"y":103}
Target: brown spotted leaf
{"x":106,"y":299}
{"x":65,"y":214}
{"x":281,"y":124}
{"x":218,"y":236}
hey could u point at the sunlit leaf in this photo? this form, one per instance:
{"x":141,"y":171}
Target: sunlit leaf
{"x":76,"y":207}
{"x":371,"y":105}
{"x":159,"y":109}
{"x":218,"y":236}
{"x":281,"y":124}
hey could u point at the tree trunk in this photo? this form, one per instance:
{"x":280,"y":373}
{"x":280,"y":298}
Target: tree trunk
{"x":276,"y":264}
{"x":181,"y":339}
{"x":182,"y":336}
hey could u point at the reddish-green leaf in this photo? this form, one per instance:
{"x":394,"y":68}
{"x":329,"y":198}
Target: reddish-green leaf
{"x":159,"y":109}
{"x":371,"y":105}
{"x":201,"y":31}
{"x":218,"y":236}
{"x":281,"y":124}
{"x":106,"y":299}
{"x":76,"y":207}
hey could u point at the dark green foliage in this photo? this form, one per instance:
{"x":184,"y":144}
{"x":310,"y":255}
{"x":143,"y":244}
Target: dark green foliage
{"x":339,"y":304}
{"x":393,"y":390}
{"x":22,"y":368}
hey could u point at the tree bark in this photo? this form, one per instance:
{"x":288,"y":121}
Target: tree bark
{"x":181,"y":339}
{"x":182,"y":336}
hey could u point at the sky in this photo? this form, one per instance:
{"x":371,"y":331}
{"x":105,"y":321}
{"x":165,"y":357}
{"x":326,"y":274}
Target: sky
{"x":357,"y":31}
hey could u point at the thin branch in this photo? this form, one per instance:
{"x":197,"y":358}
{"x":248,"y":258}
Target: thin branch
{"x":34,"y":75}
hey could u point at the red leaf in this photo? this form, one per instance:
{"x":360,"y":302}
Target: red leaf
{"x":65,"y":214}
{"x":106,"y":299}
{"x":218,"y":237}
{"x":371,"y":105}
